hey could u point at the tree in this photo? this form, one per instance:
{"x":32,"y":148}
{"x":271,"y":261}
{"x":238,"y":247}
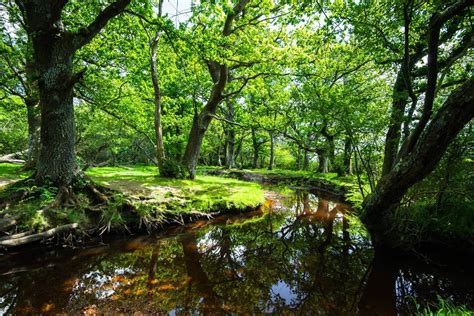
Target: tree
{"x":428,"y":139}
{"x":19,"y":76}
{"x":54,"y":48}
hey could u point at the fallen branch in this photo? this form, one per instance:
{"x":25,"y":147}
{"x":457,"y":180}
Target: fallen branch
{"x":13,"y":242}
{"x":8,"y":160}
{"x":15,"y":236}
{"x":13,"y":157}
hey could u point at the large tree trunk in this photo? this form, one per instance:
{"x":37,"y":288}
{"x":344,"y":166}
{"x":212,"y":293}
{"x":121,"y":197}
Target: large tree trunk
{"x":193,"y":147}
{"x":219,"y":74}
{"x":54,"y":48}
{"x":455,"y":113}
{"x":56,"y":161}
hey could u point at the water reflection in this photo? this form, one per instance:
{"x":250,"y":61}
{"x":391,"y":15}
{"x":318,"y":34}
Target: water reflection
{"x":300,"y":255}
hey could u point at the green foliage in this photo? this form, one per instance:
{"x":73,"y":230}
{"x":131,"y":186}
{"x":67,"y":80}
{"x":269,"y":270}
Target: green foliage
{"x":443,"y":307}
{"x":172,"y":169}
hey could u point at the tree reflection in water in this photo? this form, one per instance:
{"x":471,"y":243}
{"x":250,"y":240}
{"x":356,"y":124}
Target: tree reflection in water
{"x":308,"y":257}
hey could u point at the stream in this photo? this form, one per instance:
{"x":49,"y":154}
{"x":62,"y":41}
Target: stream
{"x":296,"y":255}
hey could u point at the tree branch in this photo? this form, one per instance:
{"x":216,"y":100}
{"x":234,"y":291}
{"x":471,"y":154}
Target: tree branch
{"x":86,"y":34}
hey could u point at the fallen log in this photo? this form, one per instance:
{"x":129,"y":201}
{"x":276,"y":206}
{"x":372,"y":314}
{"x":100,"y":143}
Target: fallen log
{"x":15,"y":236}
{"x":13,"y":242}
{"x":6,"y":160}
{"x":13,"y":157}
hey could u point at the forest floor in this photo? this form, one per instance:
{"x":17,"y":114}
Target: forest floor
{"x":142,"y":200}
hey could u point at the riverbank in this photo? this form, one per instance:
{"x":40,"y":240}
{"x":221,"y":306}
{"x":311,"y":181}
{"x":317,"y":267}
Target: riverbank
{"x":328,"y":185}
{"x":140,"y":201}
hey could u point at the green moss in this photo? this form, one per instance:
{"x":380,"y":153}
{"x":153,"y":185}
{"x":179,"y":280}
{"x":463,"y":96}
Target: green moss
{"x":204,"y":194}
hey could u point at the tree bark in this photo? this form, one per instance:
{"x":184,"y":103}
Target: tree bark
{"x":230,"y":150}
{"x":33,"y":116}
{"x":54,"y":61}
{"x":306,"y":160}
{"x":347,"y":161}
{"x":455,"y":113}
{"x":392,"y":139}
{"x":54,"y":49}
{"x":160,"y":148}
{"x":272,"y":150}
{"x":323,"y":161}
{"x":256,"y":147}
{"x":219,"y":74}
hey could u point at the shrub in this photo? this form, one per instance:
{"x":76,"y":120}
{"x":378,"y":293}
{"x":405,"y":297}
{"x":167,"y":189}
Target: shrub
{"x":172,"y":169}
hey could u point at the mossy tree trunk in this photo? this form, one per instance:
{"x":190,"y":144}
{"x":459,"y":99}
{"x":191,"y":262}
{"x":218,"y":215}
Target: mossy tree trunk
{"x":54,"y":49}
{"x":425,"y":144}
{"x":455,"y":113}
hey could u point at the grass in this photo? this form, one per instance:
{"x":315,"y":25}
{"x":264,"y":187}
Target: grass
{"x":443,"y":307}
{"x":330,"y":177}
{"x":204,"y":194}
{"x":12,"y":171}
{"x":154,"y":199}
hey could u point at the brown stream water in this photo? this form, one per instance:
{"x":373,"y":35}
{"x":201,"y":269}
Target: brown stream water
{"x":299,"y":255}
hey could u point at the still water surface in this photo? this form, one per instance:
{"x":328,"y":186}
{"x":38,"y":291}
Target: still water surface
{"x":298,"y":255}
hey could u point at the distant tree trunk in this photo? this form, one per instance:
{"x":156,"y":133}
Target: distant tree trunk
{"x":455,"y":113}
{"x":347,"y":161}
{"x":256,"y":147}
{"x":298,"y":159}
{"x":230,"y":153}
{"x":327,"y":153}
{"x":272,"y":150}
{"x":33,"y":116}
{"x":238,"y":151}
{"x":160,"y":148}
{"x":306,"y":160}
{"x":323,"y":161}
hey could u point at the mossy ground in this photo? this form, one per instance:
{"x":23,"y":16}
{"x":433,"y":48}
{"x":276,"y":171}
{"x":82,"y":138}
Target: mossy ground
{"x":203,"y":194}
{"x":151,"y":200}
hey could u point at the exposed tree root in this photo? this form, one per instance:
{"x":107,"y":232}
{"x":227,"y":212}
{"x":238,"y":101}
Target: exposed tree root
{"x":14,"y":240}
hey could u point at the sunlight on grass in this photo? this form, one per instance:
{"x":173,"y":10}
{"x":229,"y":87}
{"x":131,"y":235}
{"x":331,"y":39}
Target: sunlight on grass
{"x":12,"y":171}
{"x":205,"y":193}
